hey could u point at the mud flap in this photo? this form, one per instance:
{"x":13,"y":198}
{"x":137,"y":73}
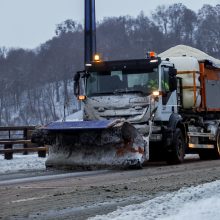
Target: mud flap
{"x":94,"y":144}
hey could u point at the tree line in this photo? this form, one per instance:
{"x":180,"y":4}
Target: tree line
{"x":24,"y":74}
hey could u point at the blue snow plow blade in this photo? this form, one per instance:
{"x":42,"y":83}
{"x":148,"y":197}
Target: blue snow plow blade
{"x":91,"y":144}
{"x":80,"y":125}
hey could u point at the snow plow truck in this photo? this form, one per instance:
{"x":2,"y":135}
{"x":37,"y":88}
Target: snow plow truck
{"x":137,"y":110}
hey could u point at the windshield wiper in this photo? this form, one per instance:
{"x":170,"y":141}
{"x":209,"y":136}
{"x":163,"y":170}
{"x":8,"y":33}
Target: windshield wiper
{"x":127,"y":91}
{"x":101,"y":93}
{"x":117,"y":91}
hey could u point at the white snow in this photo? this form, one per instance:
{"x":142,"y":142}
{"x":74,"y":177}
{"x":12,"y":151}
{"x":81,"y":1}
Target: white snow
{"x":191,"y":156}
{"x":201,"y":202}
{"x":77,"y":116}
{"x":183,"y":50}
{"x":21,"y":162}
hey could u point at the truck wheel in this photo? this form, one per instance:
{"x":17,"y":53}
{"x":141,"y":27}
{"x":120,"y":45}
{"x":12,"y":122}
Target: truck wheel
{"x":177,"y":152}
{"x":217,"y":146}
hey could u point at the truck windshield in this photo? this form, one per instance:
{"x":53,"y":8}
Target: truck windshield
{"x":111,"y":82}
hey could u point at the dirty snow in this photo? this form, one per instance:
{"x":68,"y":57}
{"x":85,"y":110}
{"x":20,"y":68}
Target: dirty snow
{"x":21,"y":162}
{"x":33,"y":162}
{"x":77,"y":116}
{"x":183,"y":50}
{"x":201,"y":202}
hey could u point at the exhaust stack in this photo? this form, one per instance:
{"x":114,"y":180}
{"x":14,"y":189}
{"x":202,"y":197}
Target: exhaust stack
{"x":90,"y":31}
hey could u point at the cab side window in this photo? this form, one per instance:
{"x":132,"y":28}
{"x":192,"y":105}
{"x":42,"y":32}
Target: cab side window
{"x":165,"y":80}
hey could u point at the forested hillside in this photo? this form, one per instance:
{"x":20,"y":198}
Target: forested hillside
{"x":35,"y":84}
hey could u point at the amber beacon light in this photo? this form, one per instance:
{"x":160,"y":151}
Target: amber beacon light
{"x":96,"y":57}
{"x":81,"y":97}
{"x":151,"y":54}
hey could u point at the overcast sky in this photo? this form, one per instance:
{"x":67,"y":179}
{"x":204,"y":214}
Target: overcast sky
{"x":28,"y":23}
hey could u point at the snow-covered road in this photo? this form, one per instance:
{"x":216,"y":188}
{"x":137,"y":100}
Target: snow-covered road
{"x":195,"y":203}
{"x":199,"y":202}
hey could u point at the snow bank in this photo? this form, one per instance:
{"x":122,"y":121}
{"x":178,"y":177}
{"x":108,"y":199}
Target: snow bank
{"x":201,"y":202}
{"x":183,"y":50}
{"x":77,"y":116}
{"x":21,"y":162}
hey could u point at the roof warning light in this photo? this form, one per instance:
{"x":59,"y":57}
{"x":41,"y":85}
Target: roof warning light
{"x":96,"y":58}
{"x":151,"y":54}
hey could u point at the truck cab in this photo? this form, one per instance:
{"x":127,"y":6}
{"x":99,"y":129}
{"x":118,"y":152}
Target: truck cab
{"x":128,"y":89}
{"x":137,"y":91}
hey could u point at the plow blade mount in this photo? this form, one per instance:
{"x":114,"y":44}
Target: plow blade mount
{"x":94,"y":144}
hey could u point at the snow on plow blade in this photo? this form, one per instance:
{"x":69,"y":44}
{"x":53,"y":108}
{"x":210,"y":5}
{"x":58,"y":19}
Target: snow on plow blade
{"x":94,"y":144}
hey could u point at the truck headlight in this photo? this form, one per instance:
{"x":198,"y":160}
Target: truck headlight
{"x":156,"y":93}
{"x":81,"y":97}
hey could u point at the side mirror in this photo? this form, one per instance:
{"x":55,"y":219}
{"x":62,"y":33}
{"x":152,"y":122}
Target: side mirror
{"x":76,"y":88}
{"x":172,"y":79}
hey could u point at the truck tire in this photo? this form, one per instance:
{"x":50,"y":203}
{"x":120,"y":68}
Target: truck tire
{"x":177,"y":150}
{"x":217,"y":146}
{"x":212,"y":154}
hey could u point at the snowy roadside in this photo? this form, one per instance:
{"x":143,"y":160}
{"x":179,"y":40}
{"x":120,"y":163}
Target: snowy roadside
{"x":201,"y":202}
{"x":33,"y":162}
{"x":21,"y":162}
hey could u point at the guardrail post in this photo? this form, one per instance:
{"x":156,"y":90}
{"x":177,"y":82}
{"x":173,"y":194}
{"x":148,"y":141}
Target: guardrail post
{"x":42,"y":153}
{"x":8,"y":155}
{"x":25,"y":131}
